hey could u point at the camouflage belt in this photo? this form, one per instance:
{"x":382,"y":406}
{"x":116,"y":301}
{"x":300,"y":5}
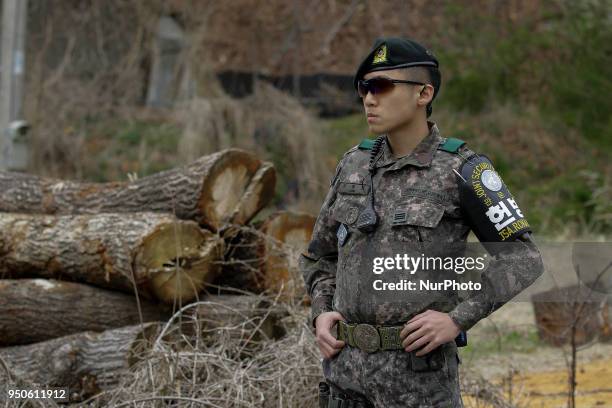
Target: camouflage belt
{"x":370,"y":338}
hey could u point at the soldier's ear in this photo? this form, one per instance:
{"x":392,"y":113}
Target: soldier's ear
{"x":428,"y":86}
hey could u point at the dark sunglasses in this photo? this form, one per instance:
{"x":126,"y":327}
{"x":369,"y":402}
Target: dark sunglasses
{"x":380,"y":85}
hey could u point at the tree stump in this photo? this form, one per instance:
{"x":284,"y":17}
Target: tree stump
{"x":558,"y":309}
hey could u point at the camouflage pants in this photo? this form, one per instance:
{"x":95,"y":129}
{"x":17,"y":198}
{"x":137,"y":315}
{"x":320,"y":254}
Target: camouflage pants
{"x":395,"y":378}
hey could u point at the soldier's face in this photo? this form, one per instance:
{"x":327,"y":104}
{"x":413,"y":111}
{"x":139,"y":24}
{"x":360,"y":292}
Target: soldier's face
{"x":394,"y":108}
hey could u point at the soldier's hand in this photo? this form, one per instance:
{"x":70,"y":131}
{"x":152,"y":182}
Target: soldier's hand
{"x":429,"y":330}
{"x":328,"y":344}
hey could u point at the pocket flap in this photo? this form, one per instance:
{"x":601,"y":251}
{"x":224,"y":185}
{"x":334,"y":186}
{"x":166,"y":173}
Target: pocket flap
{"x":417,"y":211}
{"x":346,"y":211}
{"x":353,"y":188}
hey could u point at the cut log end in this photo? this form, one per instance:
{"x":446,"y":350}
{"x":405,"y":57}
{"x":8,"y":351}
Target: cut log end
{"x":558,"y":309}
{"x":224,"y":188}
{"x":280,"y":269}
{"x":257,"y":195}
{"x":180,"y":259}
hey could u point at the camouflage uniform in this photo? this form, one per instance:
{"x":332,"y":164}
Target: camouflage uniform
{"x":422,"y":188}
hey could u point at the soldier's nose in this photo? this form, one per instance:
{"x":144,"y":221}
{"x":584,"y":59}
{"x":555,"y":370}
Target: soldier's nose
{"x":369,"y":100}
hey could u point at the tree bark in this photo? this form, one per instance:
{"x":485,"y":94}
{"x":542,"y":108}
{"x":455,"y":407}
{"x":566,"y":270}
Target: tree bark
{"x":34,"y":310}
{"x":166,"y":258}
{"x":265,"y":260}
{"x":208,"y":191}
{"x":86,"y":362}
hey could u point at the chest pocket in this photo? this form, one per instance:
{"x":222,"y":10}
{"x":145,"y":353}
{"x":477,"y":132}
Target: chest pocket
{"x":415,"y":218}
{"x":350,"y":201}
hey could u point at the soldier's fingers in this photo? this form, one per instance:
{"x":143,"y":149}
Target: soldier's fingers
{"x":418,"y":343}
{"x":410,"y":327}
{"x":331,"y":340}
{"x":413,"y":336}
{"x":325,"y":349}
{"x":338,"y":316}
{"x":328,"y":351}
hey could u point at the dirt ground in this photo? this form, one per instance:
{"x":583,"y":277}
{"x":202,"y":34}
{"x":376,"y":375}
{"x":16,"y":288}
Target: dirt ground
{"x":507,"y":342}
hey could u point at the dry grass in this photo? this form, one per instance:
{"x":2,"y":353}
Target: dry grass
{"x":272,"y":124}
{"x":219,"y":368}
{"x":226,"y":367}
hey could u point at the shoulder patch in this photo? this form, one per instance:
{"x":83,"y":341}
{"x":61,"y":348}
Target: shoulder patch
{"x":451,"y":145}
{"x":366,"y":144}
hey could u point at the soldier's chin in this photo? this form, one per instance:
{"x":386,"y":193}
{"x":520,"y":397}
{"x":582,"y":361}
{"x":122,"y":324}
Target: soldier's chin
{"x":377,"y":129}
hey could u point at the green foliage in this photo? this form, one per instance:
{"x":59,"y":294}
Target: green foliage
{"x":561,"y":64}
{"x":469,"y":91}
{"x":579,"y":199}
{"x":580,"y":84}
{"x":122,"y":147}
{"x":484,"y":64}
{"x":344,"y":132}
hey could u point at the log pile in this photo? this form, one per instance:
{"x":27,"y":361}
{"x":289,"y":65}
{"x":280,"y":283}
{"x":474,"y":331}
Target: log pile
{"x":211,"y":191}
{"x":91,"y":272}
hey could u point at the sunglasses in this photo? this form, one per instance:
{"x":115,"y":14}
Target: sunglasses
{"x":380,"y":85}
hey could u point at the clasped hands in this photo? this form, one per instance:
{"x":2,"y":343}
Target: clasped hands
{"x":424,"y":332}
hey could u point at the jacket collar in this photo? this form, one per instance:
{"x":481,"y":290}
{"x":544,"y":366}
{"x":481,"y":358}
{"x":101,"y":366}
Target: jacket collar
{"x":421,"y":156}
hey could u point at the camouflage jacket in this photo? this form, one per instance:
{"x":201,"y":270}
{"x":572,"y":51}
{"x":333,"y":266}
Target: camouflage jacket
{"x":422,"y":188}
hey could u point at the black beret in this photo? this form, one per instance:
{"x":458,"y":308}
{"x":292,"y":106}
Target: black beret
{"x":392,"y":53}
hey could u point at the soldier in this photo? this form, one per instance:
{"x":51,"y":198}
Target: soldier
{"x":407,"y":190}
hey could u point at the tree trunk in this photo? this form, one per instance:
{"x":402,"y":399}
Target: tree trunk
{"x":34,"y":310}
{"x":265,"y":260}
{"x":85,"y":362}
{"x":290,"y":232}
{"x":208,"y":191}
{"x":166,"y":258}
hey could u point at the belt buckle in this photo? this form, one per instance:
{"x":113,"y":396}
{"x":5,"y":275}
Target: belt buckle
{"x":366,"y":337}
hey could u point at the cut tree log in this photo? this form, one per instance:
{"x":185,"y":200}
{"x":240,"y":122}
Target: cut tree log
{"x":168,"y":259}
{"x":557,"y":310}
{"x":266,"y":260}
{"x":34,"y":310}
{"x":210,"y":191}
{"x":85,"y":362}
{"x":259,"y":193}
{"x":291,"y":233}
